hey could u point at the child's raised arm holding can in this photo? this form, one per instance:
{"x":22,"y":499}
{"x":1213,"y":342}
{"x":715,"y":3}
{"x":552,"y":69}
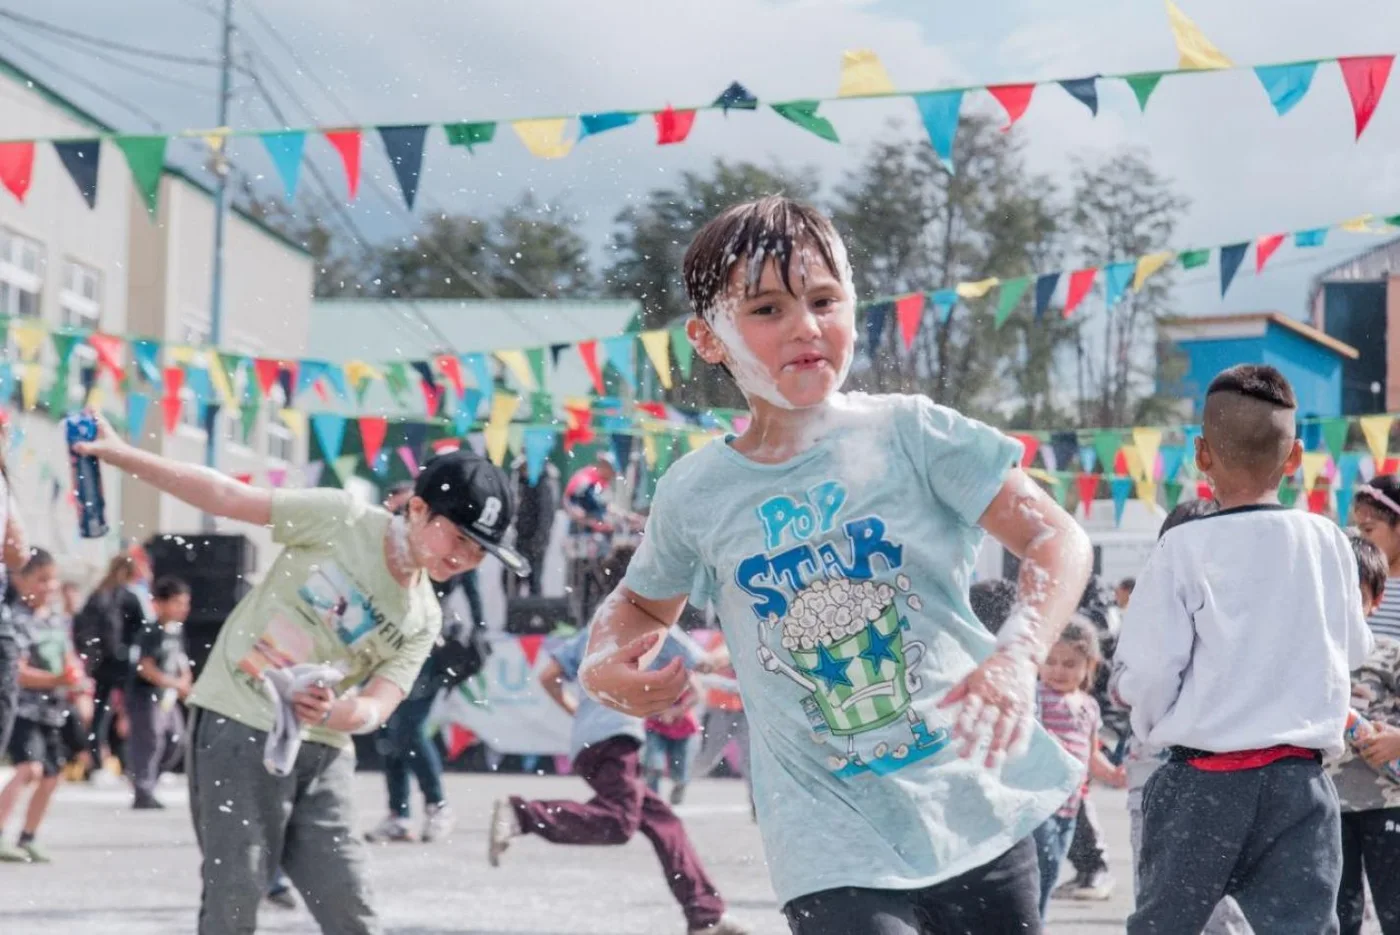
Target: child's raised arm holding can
{"x":898,"y":768}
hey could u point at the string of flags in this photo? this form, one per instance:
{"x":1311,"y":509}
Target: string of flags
{"x":862,"y":78}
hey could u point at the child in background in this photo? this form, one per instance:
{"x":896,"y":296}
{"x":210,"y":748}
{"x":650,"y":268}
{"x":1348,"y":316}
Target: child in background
{"x":161,"y":678}
{"x":1370,"y":800}
{"x":1071,"y":715}
{"x":1376,"y":510}
{"x":1236,"y":655}
{"x":49,"y":669}
{"x":670,"y":739}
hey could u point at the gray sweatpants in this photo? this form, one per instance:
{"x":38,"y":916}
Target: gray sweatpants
{"x":154,"y":739}
{"x":247,"y":821}
{"x":1270,"y":837}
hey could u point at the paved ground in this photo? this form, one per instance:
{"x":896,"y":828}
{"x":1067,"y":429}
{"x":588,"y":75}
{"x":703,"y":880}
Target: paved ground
{"x":118,"y":872}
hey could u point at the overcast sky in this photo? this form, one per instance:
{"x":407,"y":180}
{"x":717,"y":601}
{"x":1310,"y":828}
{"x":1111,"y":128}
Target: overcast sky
{"x":1246,"y":171}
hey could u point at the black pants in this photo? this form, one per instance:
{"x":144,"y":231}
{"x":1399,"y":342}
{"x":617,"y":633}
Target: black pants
{"x":1086,"y":851}
{"x":9,"y":683}
{"x":1370,"y":845}
{"x":109,"y":677}
{"x":997,"y":898}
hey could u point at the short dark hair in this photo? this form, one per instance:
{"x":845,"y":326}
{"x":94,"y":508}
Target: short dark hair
{"x":754,"y":232}
{"x":1185,"y":512}
{"x":167,"y":587}
{"x":1249,"y":420}
{"x":992,"y":601}
{"x":1388,"y":485}
{"x":1371,"y":565}
{"x":38,"y":558}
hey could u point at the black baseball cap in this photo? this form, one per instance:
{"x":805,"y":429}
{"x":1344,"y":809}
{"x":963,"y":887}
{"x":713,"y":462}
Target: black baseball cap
{"x":474,"y":495}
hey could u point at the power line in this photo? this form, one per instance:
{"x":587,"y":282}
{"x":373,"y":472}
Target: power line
{"x":61,"y":40}
{"x":296,"y":58}
{"x":108,"y":43}
{"x":84,"y":82}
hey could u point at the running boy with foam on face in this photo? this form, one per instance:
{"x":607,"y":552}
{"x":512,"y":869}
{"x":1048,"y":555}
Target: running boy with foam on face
{"x":1235,"y":655}
{"x":836,"y":536}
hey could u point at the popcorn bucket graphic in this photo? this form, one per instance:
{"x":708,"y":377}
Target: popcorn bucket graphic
{"x":861,"y":679}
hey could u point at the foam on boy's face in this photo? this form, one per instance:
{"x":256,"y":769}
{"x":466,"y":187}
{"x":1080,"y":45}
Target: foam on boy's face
{"x":791,"y":349}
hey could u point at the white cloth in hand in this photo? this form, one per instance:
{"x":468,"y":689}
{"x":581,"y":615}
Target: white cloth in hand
{"x":284,"y":740}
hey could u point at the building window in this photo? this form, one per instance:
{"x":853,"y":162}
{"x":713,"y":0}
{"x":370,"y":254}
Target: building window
{"x":280,"y":445}
{"x":191,"y":413}
{"x":21,"y":275}
{"x":80,"y":302}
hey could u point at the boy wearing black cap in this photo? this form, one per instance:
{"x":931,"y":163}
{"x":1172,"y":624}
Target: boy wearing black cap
{"x":348,"y":594}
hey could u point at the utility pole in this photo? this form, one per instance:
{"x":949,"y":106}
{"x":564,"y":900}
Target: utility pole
{"x":216,"y":297}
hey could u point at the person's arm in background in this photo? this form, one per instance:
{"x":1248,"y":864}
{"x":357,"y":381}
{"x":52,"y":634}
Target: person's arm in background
{"x":472,"y":589}
{"x":552,"y":680}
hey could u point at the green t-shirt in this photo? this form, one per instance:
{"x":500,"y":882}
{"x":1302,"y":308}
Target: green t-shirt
{"x":328,"y":599}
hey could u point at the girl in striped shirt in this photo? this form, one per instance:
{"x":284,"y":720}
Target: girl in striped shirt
{"x":1376,"y":511}
{"x":1069,"y":712}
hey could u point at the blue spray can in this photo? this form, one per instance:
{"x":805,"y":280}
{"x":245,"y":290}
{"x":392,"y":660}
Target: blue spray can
{"x":87,"y":476}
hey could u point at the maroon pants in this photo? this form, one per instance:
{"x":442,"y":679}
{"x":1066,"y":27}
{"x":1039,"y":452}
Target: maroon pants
{"x":623,"y":806}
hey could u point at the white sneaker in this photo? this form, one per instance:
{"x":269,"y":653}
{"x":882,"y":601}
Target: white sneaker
{"x":727,"y":925}
{"x":440,"y":822}
{"x":504,"y":826}
{"x":392,"y":828}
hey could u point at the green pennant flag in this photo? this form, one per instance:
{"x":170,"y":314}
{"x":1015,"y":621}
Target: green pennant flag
{"x":343,"y":469}
{"x":804,"y":114}
{"x":1058,"y":488}
{"x":1106,"y":445}
{"x":57,"y":397}
{"x":249,"y":412}
{"x":541,"y":406}
{"x":146,"y":157}
{"x":470,"y":134}
{"x":1287,"y":493}
{"x":361,"y":388}
{"x":396,"y":378}
{"x":682,"y":351}
{"x":233,"y":364}
{"x":535,"y":356}
{"x":1334,"y":434}
{"x":1011,"y":292}
{"x":1143,"y":85}
{"x":4,"y":331}
{"x":63,"y":344}
{"x":665,"y":451}
{"x":1172,"y":490}
{"x":1190,"y":259}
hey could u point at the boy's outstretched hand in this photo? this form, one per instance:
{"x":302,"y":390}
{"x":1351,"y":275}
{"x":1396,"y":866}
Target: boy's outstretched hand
{"x":996,"y":706}
{"x":107,"y":442}
{"x":616,"y":678}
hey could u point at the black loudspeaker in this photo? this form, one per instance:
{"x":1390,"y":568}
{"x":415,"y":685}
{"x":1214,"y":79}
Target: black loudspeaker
{"x":536,"y":616}
{"x":216,"y":569}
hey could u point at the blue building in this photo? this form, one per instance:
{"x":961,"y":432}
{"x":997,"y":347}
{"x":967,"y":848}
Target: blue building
{"x":1312,"y":361}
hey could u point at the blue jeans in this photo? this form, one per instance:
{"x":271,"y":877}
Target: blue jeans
{"x":1051,"y":844}
{"x":662,"y":752}
{"x":409,"y":749}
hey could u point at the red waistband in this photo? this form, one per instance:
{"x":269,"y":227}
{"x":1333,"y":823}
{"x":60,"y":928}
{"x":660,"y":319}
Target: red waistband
{"x":1248,"y":759}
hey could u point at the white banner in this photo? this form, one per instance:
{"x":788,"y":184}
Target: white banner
{"x":504,"y":704}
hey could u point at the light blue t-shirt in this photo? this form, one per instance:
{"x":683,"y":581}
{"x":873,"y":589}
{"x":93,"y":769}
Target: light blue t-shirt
{"x":594,"y":722}
{"x":841,"y":577}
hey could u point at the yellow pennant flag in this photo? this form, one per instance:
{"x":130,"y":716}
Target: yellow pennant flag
{"x":1196,"y":50}
{"x":497,"y":441}
{"x":219,"y":378}
{"x":658,"y":347}
{"x":1147,"y":265}
{"x":649,"y":445}
{"x":179,"y":354}
{"x":545,"y":138}
{"x":1377,"y":432}
{"x":862,"y":73}
{"x":1362,"y":225}
{"x":29,"y":339}
{"x":497,"y":431}
{"x":1314,"y":463}
{"x":358,"y":370}
{"x":295,"y":420}
{"x":1146,"y":490}
{"x":1136,"y":468}
{"x":94,"y":398}
{"x":699,"y":439}
{"x":519,"y":366}
{"x":975,"y":290}
{"x":29,"y":384}
{"x":1147,"y":441}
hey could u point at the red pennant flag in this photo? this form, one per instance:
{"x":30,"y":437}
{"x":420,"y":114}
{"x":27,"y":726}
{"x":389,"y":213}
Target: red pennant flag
{"x":108,"y":348}
{"x":910,"y":311}
{"x":580,"y":430}
{"x":673,"y":126}
{"x":174,"y":381}
{"x":588,"y":350}
{"x":1319,"y":499}
{"x":347,"y":143}
{"x":244,"y":479}
{"x":451,"y":367}
{"x":320,"y":387}
{"x":1203,"y":491}
{"x":171,"y":406}
{"x":1264,"y":248}
{"x":1391,"y":466}
{"x":17,"y":167}
{"x":1029,"y":446}
{"x":1088,"y":491}
{"x":372,"y":432}
{"x":267,"y":372}
{"x":443,"y":445}
{"x":1015,"y":98}
{"x":530,"y":646}
{"x":656,"y":410}
{"x":432,"y":396}
{"x":459,"y":739}
{"x":1120,"y":462}
{"x":1365,"y":77}
{"x":1080,"y":282}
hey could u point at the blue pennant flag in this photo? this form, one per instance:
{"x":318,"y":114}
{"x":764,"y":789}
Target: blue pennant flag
{"x":1085,"y":91}
{"x":1345,"y":494}
{"x":1121,"y":488}
{"x":1044,"y":292}
{"x":137,"y":405}
{"x":1312,"y":238}
{"x":622,"y":450}
{"x":621,"y":352}
{"x":464,"y":416}
{"x":404,"y":146}
{"x":939,"y":112}
{"x":877,"y":315}
{"x":1348,"y":467}
{"x":481,"y":371}
{"x":1286,"y":85}
{"x":381,"y":462}
{"x":7,"y":382}
{"x":147,"y":354}
{"x":286,"y":148}
{"x":943,"y":302}
{"x":1116,"y":278}
{"x":593,"y":124}
{"x":1190,"y":433}
{"x":1172,"y":458}
{"x":197,"y":379}
{"x":307,"y":374}
{"x":80,"y":158}
{"x":539,"y":442}
{"x":330,"y":433}
{"x":335,"y":376}
{"x":1088,"y":458}
{"x":736,"y":97}
{"x":1230,"y":259}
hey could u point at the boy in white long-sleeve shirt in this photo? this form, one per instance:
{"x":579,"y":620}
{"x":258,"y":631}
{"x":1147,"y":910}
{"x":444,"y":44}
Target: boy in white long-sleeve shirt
{"x":1235,"y":655}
